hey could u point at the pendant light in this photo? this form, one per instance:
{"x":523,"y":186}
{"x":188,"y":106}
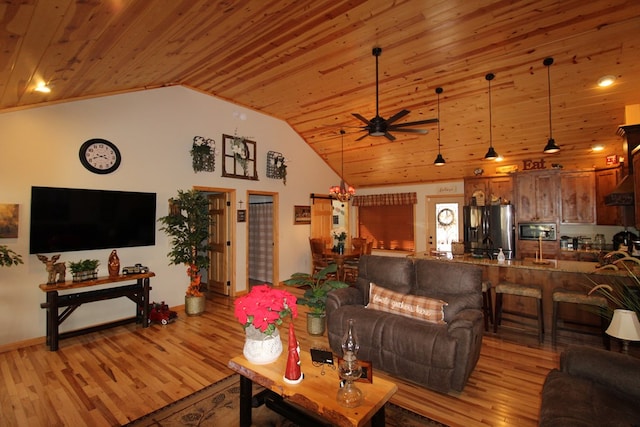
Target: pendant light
{"x":491,"y":153}
{"x":342,"y":192}
{"x":551,"y":146}
{"x":439,"y":161}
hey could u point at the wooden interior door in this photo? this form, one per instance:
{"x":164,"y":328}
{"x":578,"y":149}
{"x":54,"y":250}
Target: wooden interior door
{"x":321,"y":219}
{"x":218,"y":241}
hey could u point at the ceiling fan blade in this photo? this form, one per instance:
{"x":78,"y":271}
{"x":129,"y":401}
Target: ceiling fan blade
{"x":421,"y":131}
{"x":389,"y":136}
{"x":419,"y":122}
{"x":363,"y":136}
{"x":359,"y":117}
{"x":397,"y":116}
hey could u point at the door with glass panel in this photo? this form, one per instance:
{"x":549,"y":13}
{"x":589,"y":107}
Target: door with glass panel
{"x":443,"y":222}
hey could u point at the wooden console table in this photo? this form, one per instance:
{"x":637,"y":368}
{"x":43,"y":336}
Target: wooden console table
{"x":138,"y":293}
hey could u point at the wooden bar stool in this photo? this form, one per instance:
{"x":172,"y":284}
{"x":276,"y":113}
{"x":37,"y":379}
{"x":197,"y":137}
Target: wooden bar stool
{"x":487,"y":304}
{"x":528,"y":291}
{"x":577,"y":297}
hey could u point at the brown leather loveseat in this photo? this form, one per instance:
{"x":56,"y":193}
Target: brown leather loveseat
{"x":439,"y":354}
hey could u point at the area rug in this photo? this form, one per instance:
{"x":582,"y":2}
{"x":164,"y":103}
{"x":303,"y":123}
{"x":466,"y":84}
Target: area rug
{"x":218,"y":405}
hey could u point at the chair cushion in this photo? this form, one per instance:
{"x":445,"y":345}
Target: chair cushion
{"x":416,"y":307}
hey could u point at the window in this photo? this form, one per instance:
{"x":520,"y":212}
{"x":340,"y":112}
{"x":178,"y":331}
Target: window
{"x":387,"y":220}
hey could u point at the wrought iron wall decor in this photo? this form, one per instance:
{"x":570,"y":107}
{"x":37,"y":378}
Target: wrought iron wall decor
{"x":276,"y":166}
{"x":203,"y":152}
{"x":239,"y":158}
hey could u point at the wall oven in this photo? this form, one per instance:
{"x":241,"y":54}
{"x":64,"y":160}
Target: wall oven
{"x":537,"y":231}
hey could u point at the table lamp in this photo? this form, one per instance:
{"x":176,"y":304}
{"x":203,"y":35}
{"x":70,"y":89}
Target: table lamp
{"x":624,"y":326}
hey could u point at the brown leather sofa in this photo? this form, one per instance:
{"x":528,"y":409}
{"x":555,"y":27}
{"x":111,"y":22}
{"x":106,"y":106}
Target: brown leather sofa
{"x":593,"y":387}
{"x":437,"y":356}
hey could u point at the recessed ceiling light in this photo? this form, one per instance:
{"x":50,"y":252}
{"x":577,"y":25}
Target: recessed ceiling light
{"x":606,"y":80}
{"x":597,"y":147}
{"x":42,"y":88}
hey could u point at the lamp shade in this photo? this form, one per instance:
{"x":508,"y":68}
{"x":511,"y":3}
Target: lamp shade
{"x":439,"y":161}
{"x":491,"y":154}
{"x":551,"y":147}
{"x":624,"y":325}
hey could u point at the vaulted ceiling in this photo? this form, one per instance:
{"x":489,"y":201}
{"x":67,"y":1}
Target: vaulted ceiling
{"x":310,"y":63}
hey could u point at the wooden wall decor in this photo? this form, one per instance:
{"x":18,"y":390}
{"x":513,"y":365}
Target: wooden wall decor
{"x":239,"y":158}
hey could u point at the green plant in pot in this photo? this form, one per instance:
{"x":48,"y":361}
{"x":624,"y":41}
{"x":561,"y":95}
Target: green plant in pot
{"x":318,"y":286}
{"x":8,"y":257}
{"x":187,"y":224}
{"x":85,"y":269}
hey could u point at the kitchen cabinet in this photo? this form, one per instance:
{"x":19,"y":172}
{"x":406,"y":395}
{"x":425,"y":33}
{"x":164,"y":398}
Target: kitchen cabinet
{"x":497,"y":186}
{"x":606,"y":181}
{"x":537,"y":196}
{"x":577,"y":190}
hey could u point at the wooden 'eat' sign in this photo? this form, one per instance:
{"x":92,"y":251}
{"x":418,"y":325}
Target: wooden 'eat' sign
{"x":533,"y":164}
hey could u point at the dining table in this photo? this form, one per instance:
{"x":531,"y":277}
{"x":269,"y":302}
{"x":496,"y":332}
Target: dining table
{"x":341,"y":257}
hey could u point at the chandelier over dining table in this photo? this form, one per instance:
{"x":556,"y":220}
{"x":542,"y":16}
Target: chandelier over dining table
{"x":342,"y":192}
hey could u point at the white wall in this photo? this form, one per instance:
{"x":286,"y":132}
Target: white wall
{"x":154,"y":131}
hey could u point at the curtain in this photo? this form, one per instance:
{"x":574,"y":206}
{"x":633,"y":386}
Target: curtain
{"x":261,"y":242}
{"x":390,"y":199}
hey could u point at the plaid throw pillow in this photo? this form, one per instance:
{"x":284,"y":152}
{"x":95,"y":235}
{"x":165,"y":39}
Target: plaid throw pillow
{"x":417,"y":307}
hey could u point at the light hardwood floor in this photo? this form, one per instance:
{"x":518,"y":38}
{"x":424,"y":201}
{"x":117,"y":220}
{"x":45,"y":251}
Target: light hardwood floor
{"x":109,"y":378}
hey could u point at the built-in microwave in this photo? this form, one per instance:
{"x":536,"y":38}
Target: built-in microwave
{"x":537,"y":231}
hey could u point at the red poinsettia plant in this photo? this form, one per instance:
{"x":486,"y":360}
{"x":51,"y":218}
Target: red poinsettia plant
{"x":264,"y":307}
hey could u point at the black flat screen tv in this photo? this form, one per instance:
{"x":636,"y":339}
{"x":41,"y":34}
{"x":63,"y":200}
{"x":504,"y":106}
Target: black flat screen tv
{"x":71,"y":219}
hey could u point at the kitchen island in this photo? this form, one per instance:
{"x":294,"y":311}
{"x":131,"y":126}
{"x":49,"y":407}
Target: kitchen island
{"x":549,"y":275}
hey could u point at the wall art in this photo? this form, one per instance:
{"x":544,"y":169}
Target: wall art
{"x":277,"y":166}
{"x":203,"y":152}
{"x":239,"y":158}
{"x":9,"y":218}
{"x":302,"y":214}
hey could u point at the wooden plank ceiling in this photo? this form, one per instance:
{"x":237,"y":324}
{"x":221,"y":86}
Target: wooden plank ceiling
{"x":310,"y":63}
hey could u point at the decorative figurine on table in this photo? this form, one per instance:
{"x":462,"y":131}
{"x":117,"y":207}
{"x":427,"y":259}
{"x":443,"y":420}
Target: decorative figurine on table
{"x":293,"y":374}
{"x":57,"y":271}
{"x":114,"y":264}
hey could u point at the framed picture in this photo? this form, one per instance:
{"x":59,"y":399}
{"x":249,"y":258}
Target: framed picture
{"x":239,"y":158}
{"x":9,"y":217}
{"x":242,"y":215}
{"x":302,"y":214}
{"x":367,"y":370}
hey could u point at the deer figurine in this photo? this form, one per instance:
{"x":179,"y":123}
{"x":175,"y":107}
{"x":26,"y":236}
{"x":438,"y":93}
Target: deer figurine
{"x":57,"y":271}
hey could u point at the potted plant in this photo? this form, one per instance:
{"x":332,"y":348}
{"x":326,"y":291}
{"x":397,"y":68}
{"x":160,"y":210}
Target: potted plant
{"x":8,"y":257}
{"x":85,"y":269}
{"x":315,"y":296}
{"x":187,"y":224}
{"x":260,"y":312}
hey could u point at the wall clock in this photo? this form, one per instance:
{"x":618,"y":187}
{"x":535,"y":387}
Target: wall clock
{"x":100,"y":156}
{"x":445,"y":217}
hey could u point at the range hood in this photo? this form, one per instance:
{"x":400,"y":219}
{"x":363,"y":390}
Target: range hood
{"x":623,"y":194}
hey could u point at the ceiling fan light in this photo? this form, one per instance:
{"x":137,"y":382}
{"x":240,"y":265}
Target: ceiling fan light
{"x":491,"y":154}
{"x":551,"y":147}
{"x":376,"y":133}
{"x":439,"y":161}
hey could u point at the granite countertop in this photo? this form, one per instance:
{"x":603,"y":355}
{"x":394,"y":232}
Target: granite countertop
{"x":529,"y":263}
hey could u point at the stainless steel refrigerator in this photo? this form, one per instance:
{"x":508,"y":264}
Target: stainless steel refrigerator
{"x":489,"y":228}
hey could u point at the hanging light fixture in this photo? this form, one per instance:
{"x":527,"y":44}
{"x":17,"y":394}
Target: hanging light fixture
{"x":491,"y":153}
{"x":551,"y":146}
{"x":439,"y":161}
{"x":342,"y":192}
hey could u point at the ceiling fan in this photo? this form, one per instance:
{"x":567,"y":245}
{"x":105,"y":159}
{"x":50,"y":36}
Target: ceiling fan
{"x":379,"y":126}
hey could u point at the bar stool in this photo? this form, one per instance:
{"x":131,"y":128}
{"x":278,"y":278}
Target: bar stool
{"x":577,"y":297}
{"x":529,"y":291}
{"x":487,"y":304}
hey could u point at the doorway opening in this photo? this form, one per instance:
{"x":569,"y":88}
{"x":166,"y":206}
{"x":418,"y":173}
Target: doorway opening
{"x":262,"y":238}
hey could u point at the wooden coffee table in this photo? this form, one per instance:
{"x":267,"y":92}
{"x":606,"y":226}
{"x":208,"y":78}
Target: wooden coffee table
{"x":312,"y":401}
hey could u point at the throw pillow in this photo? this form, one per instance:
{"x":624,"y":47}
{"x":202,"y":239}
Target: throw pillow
{"x":417,"y":307}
